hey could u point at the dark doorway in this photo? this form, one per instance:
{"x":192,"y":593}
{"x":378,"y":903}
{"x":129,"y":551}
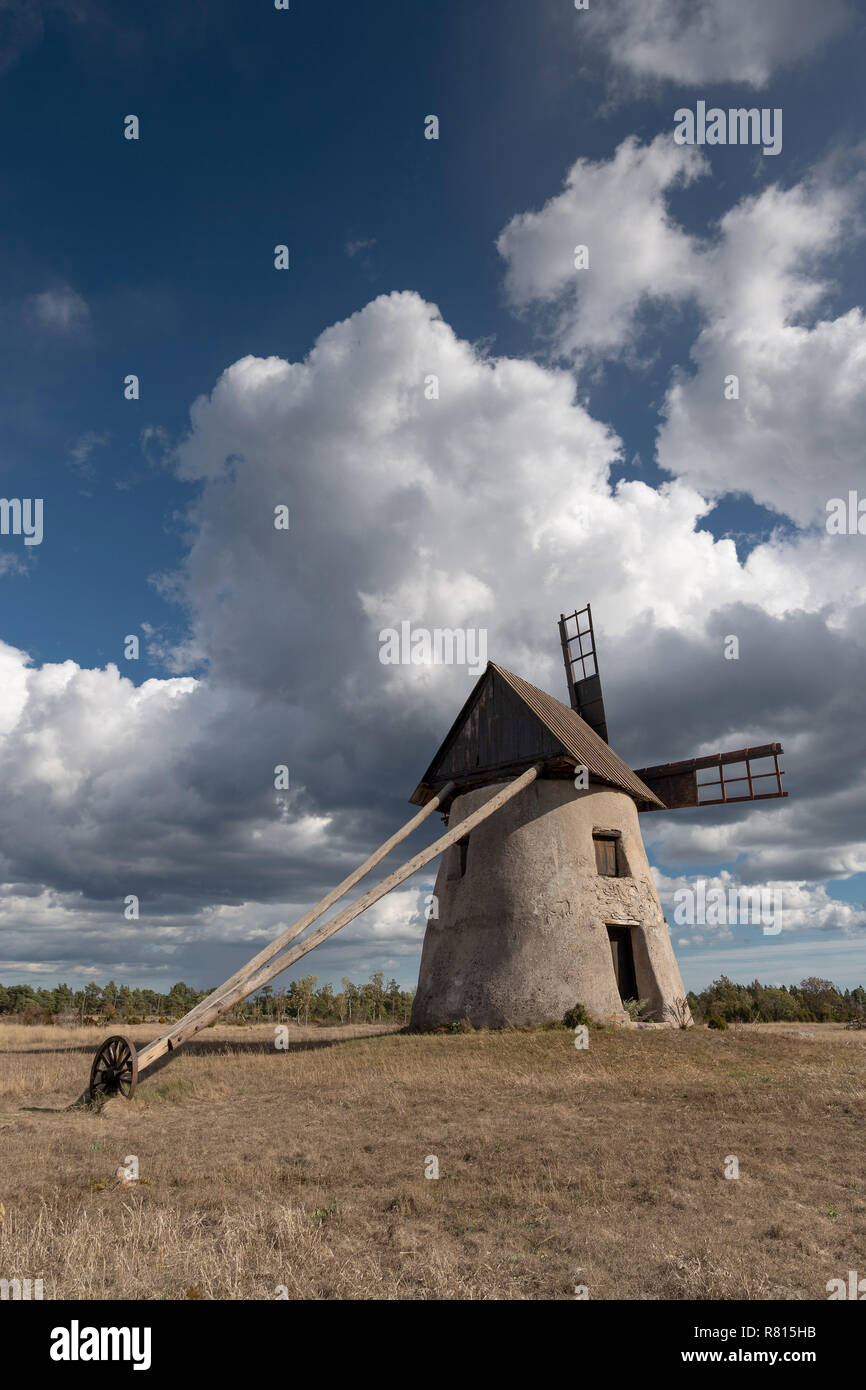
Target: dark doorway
{"x":623,"y":961}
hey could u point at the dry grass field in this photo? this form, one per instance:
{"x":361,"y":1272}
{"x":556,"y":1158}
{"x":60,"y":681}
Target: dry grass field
{"x":557,"y":1167}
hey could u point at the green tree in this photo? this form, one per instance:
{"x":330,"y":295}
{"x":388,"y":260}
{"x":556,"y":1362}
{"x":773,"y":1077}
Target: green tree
{"x":351,"y":993}
{"x":92,"y":998}
{"x":305,"y":990}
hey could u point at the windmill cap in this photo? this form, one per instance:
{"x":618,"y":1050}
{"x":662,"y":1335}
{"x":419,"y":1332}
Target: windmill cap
{"x":506,"y":725}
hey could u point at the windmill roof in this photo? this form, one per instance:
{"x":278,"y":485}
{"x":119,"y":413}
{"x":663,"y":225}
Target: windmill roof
{"x":565,"y":734}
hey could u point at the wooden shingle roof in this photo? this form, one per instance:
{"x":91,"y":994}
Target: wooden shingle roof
{"x":506,"y":725}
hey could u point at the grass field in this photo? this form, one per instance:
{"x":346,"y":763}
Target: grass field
{"x":557,"y":1167}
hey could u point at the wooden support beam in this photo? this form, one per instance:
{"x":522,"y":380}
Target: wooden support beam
{"x":199,"y":1017}
{"x":280,"y":942}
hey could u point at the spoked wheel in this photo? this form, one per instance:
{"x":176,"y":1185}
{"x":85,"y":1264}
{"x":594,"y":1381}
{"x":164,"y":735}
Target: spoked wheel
{"x":115,"y":1069}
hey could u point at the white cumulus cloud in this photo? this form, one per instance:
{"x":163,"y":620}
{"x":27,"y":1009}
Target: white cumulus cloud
{"x":690,"y":41}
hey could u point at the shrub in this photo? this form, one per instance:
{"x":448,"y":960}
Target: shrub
{"x":717,"y":1021}
{"x":41,"y":1017}
{"x":635,"y":1008}
{"x":679,"y":1012}
{"x":577,"y":1017}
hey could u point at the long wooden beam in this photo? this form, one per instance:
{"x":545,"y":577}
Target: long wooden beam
{"x":200,"y":1017}
{"x":280,"y":942}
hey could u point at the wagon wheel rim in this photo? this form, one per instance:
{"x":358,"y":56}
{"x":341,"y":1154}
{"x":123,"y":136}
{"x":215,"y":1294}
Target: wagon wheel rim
{"x":115,"y":1069}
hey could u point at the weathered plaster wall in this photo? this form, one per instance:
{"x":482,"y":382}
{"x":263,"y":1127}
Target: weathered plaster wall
{"x":522,"y":936}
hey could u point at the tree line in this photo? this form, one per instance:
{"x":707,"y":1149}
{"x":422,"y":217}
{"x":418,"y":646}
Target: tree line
{"x":305,"y":1001}
{"x":811,"y":1001}
{"x":301,"y":1001}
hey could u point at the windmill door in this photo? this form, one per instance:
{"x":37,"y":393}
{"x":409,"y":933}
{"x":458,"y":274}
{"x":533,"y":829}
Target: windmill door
{"x":623,"y":961}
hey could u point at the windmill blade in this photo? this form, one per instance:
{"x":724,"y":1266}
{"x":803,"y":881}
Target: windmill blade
{"x":581,"y":669}
{"x":747,"y":774}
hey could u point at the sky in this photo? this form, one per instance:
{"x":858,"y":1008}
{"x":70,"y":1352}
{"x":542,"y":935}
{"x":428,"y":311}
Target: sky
{"x":583,"y":447}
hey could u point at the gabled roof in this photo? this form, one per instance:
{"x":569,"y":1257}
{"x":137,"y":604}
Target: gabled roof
{"x":507,"y":725}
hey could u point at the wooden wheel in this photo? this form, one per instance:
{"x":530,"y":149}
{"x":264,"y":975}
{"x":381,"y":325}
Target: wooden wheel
{"x":115,"y":1069}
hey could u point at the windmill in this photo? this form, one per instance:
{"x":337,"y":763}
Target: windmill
{"x":552,"y":903}
{"x":544,"y":898}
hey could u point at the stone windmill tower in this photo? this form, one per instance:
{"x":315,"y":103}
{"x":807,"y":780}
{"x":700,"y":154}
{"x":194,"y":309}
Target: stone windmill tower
{"x":550,"y":902}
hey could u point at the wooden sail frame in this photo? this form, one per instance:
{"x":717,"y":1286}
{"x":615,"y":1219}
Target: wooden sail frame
{"x":678,"y":784}
{"x":580,"y":655}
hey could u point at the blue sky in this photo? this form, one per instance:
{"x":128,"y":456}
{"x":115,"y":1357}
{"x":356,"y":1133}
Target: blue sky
{"x":155,"y":256}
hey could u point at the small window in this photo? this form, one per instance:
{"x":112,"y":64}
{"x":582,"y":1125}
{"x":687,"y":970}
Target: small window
{"x":606,"y":855}
{"x":457,"y":864}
